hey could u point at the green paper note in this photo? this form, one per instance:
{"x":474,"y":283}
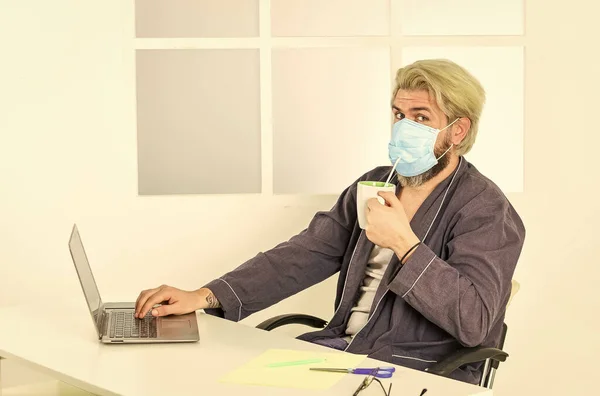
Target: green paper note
{"x":295,"y":363}
{"x":257,"y":371}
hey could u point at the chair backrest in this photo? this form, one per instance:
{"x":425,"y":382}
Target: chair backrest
{"x":515,"y":286}
{"x":490,"y":367}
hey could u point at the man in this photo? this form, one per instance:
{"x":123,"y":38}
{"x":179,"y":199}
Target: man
{"x":432,"y":270}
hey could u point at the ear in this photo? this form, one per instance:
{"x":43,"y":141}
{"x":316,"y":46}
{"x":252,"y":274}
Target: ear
{"x":459,"y":130}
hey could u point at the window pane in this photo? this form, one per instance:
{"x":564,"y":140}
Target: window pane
{"x":196,"y":18}
{"x":330,"y":18}
{"x":459,"y":17}
{"x":331,"y":117}
{"x":198,"y":121}
{"x":498,"y":150}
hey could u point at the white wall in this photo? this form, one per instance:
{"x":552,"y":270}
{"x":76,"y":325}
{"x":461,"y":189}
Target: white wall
{"x":67,"y":154}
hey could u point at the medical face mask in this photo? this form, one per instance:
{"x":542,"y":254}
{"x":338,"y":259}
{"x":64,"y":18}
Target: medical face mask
{"x":413,"y":144}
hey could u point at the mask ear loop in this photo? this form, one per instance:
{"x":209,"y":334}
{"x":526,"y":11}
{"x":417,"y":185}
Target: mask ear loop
{"x":449,"y":125}
{"x":452,"y":145}
{"x":445,"y":152}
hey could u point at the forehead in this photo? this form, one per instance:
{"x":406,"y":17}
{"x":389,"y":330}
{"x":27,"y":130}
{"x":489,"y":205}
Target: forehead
{"x":407,"y":99}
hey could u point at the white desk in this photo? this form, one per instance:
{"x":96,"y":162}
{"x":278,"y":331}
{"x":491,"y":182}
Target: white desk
{"x":61,"y":342}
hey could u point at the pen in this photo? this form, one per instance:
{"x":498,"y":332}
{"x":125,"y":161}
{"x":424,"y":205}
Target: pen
{"x":295,"y":363}
{"x":423,"y":392}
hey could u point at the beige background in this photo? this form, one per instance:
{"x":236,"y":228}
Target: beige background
{"x":67,"y":153}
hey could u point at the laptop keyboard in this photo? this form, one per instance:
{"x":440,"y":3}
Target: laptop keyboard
{"x":125,"y":325}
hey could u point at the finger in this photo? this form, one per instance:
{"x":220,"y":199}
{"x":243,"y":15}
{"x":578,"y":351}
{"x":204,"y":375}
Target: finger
{"x":373,"y":203}
{"x":371,"y":215}
{"x":390,"y":198}
{"x":142,"y":298}
{"x":167,"y":309}
{"x":156,"y":298}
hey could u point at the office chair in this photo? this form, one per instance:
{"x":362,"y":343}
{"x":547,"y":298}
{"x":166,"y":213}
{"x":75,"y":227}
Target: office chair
{"x":490,"y":356}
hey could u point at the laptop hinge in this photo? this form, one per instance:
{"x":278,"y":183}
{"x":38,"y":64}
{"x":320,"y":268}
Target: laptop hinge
{"x":102,"y":321}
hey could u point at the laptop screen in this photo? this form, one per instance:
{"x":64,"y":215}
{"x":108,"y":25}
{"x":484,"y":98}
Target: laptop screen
{"x":86,"y":278}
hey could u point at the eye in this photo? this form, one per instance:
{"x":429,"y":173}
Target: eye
{"x":421,"y":118}
{"x":398,"y":115}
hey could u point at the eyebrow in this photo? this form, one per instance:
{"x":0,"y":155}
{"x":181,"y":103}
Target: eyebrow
{"x":412,"y":109}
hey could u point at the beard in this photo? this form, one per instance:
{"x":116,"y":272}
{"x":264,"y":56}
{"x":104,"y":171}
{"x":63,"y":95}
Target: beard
{"x":419,"y":180}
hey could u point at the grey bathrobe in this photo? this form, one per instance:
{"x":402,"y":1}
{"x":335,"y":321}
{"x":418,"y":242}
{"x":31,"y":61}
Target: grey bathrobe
{"x":451,"y":293}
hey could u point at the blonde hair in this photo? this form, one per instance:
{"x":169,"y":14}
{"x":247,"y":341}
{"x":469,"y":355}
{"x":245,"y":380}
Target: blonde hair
{"x":456,"y":91}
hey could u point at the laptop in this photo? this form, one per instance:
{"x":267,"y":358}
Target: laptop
{"x":115,"y":321}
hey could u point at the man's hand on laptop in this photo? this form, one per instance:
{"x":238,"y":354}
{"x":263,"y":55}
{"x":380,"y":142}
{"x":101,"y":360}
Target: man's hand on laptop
{"x":174,"y":301}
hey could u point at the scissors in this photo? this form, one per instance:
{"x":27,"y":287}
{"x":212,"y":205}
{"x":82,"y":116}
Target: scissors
{"x":379,"y":372}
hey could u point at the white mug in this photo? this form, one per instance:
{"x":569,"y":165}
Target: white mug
{"x":366,"y":190}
